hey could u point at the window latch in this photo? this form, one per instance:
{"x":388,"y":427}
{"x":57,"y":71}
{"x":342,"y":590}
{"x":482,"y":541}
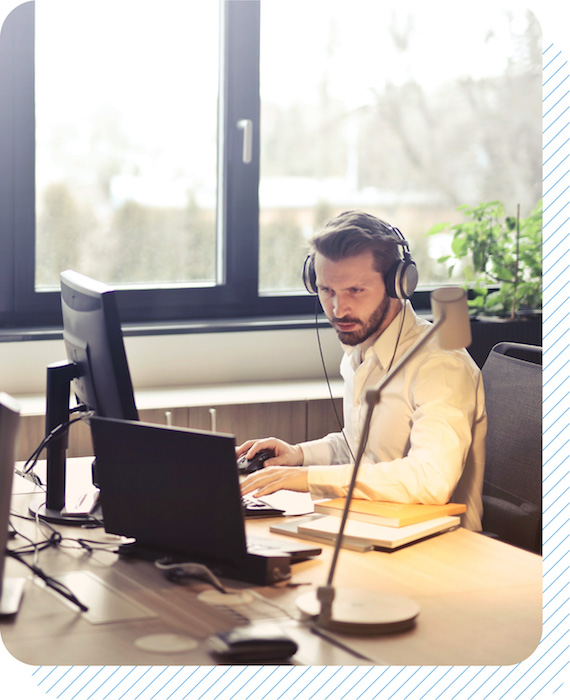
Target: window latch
{"x":246,"y":125}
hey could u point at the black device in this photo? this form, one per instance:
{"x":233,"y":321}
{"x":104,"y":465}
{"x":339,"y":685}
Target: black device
{"x":96,"y":370}
{"x":11,"y":589}
{"x":401,"y":279}
{"x":176,"y":491}
{"x":253,"y":644}
{"x":248,"y":466}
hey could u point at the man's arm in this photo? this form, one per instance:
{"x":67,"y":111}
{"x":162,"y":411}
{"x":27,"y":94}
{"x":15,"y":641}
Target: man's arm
{"x":445,"y":409}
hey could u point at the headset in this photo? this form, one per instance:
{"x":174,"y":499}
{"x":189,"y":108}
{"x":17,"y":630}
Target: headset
{"x":400,"y":280}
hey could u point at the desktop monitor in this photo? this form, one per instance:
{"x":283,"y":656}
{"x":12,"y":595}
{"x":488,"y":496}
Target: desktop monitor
{"x":94,"y":345}
{"x":10,"y":589}
{"x":96,"y":370}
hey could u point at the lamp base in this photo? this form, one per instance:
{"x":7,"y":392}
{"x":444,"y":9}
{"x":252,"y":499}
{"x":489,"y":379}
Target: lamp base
{"x":361,"y":612}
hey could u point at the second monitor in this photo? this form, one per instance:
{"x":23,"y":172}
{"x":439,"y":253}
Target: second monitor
{"x":96,"y":370}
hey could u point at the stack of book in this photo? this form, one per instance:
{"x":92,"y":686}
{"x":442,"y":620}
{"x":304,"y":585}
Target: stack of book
{"x":374,"y":524}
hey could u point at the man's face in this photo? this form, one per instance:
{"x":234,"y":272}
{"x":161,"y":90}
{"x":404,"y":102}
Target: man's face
{"x":353,"y":296}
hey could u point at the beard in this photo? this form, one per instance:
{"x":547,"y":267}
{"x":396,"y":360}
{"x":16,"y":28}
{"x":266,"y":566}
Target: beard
{"x":365,"y":329}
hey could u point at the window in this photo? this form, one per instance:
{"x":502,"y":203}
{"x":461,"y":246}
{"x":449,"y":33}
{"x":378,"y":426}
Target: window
{"x":126,"y":141}
{"x":184,"y":152}
{"x":383,"y":106}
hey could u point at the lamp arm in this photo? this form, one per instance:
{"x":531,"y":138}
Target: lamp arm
{"x":372,"y":398}
{"x":374,"y":394}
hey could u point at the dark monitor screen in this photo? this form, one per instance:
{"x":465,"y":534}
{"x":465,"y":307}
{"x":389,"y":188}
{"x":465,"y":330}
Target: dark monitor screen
{"x":10,"y":589}
{"x":94,"y":344}
{"x":96,"y":371}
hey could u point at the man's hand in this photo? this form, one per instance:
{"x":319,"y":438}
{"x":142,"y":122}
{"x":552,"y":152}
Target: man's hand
{"x":285,"y":454}
{"x":271,"y":479}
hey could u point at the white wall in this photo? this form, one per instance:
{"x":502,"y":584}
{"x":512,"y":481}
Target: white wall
{"x":165,"y":361}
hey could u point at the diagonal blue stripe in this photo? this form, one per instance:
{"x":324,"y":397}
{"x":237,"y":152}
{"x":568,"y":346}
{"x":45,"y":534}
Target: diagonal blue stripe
{"x":119,"y":683}
{"x":551,"y":61}
{"x":183,"y":682}
{"x":105,"y":681}
{"x":74,"y":680}
{"x":89,"y":681}
{"x":170,"y":679}
{"x":556,"y":88}
{"x":548,"y":682}
{"x":555,"y":73}
{"x":554,"y":122}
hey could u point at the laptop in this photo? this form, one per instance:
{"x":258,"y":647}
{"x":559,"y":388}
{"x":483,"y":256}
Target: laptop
{"x":11,"y":589}
{"x":176,"y":492}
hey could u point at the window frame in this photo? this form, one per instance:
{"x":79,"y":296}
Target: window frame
{"x":236,"y":295}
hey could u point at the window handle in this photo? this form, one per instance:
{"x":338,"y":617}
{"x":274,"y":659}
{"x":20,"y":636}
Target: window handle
{"x":247,"y":126}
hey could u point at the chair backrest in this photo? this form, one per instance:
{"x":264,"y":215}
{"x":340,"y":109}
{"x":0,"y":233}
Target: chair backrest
{"x":512,"y":490}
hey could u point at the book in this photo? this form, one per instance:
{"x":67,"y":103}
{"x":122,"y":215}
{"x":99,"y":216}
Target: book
{"x":386,"y":513}
{"x":291,"y":529}
{"x":382,"y":537}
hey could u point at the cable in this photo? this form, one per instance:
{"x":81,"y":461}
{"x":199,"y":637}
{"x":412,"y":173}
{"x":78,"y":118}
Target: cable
{"x":178,"y":571}
{"x":27,"y":470}
{"x":50,"y":582}
{"x":339,"y":422}
{"x":57,"y":540}
{"x":398,"y":337}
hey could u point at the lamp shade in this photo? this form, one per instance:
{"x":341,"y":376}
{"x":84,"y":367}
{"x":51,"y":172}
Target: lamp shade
{"x":451,"y":304}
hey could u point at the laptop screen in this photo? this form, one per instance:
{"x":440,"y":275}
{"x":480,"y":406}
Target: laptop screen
{"x":9,"y":419}
{"x":173,"y":489}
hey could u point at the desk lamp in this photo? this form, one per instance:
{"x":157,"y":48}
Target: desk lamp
{"x":359,"y":611}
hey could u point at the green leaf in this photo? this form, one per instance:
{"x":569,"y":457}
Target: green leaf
{"x":459,"y":247}
{"x":437,"y":228}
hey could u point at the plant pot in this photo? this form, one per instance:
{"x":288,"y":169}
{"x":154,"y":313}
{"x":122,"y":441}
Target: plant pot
{"x":487,"y":331}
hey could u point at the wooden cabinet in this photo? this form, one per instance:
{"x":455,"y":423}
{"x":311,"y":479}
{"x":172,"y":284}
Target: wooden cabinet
{"x":292,"y":421}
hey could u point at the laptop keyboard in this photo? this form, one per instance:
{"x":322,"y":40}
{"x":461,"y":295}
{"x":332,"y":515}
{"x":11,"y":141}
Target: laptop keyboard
{"x":257,"y":508}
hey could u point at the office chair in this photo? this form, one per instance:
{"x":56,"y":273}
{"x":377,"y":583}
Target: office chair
{"x":512,"y":489}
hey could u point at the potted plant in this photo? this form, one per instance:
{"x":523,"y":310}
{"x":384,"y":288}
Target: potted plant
{"x":501,"y":261}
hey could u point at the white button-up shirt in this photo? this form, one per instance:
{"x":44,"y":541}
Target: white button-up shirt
{"x":427,"y":436}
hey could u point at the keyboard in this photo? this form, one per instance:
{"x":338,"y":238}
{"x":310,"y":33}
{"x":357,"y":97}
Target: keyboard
{"x":257,"y":508}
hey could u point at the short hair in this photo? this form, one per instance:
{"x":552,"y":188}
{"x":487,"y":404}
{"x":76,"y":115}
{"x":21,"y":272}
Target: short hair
{"x":355,"y":232}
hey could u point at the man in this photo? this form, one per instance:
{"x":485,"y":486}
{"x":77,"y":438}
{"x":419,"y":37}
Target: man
{"x":426,"y":442}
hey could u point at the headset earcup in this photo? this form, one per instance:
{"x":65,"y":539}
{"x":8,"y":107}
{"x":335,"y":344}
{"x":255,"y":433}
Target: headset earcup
{"x":408,"y":279}
{"x":309,"y":275}
{"x":402,"y":279}
{"x":390,"y":279}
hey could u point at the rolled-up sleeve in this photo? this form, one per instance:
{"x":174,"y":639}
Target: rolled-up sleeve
{"x":434,"y":434}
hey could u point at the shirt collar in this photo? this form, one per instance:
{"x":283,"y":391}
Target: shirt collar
{"x":384,"y":346}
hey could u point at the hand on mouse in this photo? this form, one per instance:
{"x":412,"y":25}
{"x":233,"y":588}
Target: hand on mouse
{"x":286,"y":455}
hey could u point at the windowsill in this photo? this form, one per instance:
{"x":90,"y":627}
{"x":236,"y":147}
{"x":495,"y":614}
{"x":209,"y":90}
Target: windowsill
{"x":238,"y":325}
{"x":13,"y":335}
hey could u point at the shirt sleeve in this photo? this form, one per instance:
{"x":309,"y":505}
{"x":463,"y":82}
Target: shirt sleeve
{"x":331,"y":449}
{"x":444,"y":394}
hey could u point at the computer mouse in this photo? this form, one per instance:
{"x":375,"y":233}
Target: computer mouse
{"x":248,"y":466}
{"x":262,"y":643}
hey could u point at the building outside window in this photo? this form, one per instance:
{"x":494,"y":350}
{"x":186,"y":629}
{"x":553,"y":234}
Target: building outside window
{"x":184,"y":152}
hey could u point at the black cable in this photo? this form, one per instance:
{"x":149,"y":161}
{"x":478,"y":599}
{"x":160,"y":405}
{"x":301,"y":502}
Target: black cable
{"x":398,"y":338}
{"x":27,"y":470}
{"x":339,"y":422}
{"x":50,"y":582}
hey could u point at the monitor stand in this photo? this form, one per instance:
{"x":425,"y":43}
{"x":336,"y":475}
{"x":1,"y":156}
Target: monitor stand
{"x":11,"y":596}
{"x":51,"y":506}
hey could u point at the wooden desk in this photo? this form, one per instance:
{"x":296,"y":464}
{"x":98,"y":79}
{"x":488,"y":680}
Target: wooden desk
{"x":480,"y":600}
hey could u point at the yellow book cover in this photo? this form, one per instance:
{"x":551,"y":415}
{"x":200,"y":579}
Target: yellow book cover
{"x":385,"y":513}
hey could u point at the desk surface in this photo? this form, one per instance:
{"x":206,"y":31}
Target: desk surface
{"x":480,"y":600}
